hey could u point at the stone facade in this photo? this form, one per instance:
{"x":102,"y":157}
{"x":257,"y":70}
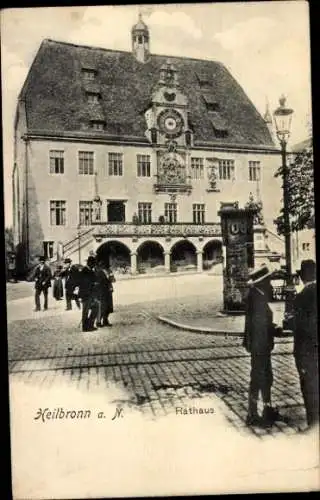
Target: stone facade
{"x":142,"y":145}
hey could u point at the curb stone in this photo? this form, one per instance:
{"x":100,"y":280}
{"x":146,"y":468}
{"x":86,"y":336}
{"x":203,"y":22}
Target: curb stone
{"x":199,"y":329}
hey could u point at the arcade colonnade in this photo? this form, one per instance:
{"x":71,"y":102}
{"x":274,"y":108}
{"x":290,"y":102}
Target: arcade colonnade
{"x":171,"y":253}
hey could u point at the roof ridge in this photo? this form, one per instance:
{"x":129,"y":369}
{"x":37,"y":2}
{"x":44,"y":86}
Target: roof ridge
{"x":94,"y":47}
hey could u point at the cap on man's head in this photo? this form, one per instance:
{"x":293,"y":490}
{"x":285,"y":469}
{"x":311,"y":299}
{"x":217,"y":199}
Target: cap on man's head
{"x":308,"y":269}
{"x":258,"y":275}
{"x":67,"y":261}
{"x":42,"y":258}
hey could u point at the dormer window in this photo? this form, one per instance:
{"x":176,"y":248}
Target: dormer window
{"x":89,"y":74}
{"x":93,"y":97}
{"x":97,"y":124}
{"x":204,"y":79}
{"x":219,"y":125}
{"x":213,"y":106}
{"x":211,"y":103}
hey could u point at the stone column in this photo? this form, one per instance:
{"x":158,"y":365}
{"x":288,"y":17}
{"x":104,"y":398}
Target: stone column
{"x":133,"y":256}
{"x":167,"y":262}
{"x":200,"y":261}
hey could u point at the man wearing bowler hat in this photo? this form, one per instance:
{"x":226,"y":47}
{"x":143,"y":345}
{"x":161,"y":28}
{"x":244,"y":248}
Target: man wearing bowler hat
{"x":71,"y":282}
{"x":306,"y":342}
{"x":259,"y":342}
{"x":42,"y":277}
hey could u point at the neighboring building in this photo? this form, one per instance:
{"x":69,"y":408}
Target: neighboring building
{"x":303,"y":242}
{"x":129,"y":154}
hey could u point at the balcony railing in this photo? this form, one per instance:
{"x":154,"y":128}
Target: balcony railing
{"x":157,"y":229}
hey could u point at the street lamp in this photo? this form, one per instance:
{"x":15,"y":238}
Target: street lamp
{"x":282,"y":119}
{"x":79,"y":243}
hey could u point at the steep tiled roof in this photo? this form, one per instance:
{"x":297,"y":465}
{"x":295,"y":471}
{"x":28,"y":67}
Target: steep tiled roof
{"x":55,"y":94}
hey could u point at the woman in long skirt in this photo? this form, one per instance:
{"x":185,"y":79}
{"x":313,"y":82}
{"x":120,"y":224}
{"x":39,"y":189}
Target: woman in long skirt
{"x":57,"y":284}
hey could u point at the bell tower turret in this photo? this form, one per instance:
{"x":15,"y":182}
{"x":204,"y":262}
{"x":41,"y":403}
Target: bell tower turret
{"x":140,"y":41}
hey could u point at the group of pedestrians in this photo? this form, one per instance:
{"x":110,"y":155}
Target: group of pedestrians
{"x":91,"y":288}
{"x":260,"y":331}
{"x":95,"y":291}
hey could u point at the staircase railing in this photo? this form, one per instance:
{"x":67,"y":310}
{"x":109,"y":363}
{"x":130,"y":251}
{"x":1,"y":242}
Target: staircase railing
{"x":72,"y":243}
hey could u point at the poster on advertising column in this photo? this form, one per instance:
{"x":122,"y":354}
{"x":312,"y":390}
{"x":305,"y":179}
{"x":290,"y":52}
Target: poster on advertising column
{"x":125,"y":130}
{"x":237,"y":233}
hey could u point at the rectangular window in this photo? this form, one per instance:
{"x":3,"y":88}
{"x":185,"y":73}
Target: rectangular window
{"x":254,"y":171}
{"x":198,"y":213}
{"x":57,"y":213}
{"x":97,"y":125}
{"x":56,"y":161}
{"x":170,"y":212}
{"x":197,"y":169}
{"x":86,"y":163}
{"x":115,"y":163}
{"x":144,"y":213}
{"x":305,"y":247}
{"x":48,"y":249}
{"x":85,"y":213}
{"x":226,"y":170}
{"x":143,"y":165}
{"x":93,"y":97}
{"x":88,"y":74}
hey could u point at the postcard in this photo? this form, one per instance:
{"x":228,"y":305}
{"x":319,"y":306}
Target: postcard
{"x":160,"y":250}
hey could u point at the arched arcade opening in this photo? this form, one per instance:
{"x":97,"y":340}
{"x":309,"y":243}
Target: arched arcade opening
{"x":183,"y":256}
{"x":212,"y":254}
{"x":150,"y":257}
{"x":115,"y":255}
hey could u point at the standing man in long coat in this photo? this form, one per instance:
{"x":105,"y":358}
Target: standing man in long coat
{"x":70,"y":274}
{"x":306,"y":340}
{"x":259,"y":342}
{"x":105,"y":285}
{"x":42,"y":277}
{"x":88,"y":292}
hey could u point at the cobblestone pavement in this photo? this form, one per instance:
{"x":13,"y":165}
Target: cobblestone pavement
{"x":158,"y":367}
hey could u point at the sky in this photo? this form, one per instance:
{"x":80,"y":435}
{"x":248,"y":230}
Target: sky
{"x":265,"y":45}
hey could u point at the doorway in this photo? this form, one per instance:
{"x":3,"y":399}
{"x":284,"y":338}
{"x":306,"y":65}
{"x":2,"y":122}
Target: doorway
{"x":116,"y":211}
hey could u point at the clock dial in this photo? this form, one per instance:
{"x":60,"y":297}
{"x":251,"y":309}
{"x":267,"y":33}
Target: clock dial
{"x":170,"y":122}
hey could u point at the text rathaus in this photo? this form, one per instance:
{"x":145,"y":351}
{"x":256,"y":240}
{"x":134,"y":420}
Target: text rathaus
{"x":130,"y":155}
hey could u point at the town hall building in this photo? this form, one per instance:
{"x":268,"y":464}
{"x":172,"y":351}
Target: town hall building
{"x":130,"y":154}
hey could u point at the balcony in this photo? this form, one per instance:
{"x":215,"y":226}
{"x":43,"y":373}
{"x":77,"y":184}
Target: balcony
{"x":179,"y":229}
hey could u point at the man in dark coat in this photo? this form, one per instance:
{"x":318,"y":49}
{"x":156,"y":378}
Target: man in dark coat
{"x":70,"y":274}
{"x":88,"y":292}
{"x":306,"y":340}
{"x":105,"y":286}
{"x":42,"y":277}
{"x":259,"y":342}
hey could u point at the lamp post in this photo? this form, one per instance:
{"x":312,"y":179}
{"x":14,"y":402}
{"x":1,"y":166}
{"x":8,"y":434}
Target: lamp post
{"x":79,"y":243}
{"x":282,"y":119}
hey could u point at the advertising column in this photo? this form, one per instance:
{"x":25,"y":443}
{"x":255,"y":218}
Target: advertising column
{"x":237,"y":234}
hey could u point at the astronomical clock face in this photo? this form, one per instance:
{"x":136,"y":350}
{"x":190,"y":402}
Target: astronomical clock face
{"x":170,"y":122}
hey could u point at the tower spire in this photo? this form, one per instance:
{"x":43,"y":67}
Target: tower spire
{"x":268,"y":120}
{"x":267,"y":116}
{"x":140,"y":40}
